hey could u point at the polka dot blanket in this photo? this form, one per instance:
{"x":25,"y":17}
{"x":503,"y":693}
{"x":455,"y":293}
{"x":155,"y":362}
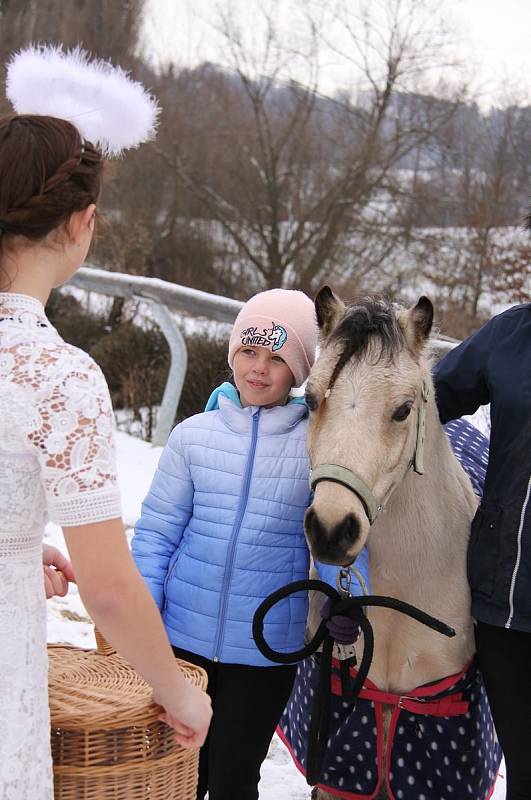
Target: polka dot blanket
{"x":472,"y":450}
{"x":441,"y":742}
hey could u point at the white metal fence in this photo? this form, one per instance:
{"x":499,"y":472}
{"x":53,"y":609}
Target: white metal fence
{"x":163,"y":297}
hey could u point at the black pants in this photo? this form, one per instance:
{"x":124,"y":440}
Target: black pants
{"x":505,"y":661}
{"x":247,"y":703}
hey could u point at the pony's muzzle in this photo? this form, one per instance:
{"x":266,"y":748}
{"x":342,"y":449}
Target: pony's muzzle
{"x":334,"y":545}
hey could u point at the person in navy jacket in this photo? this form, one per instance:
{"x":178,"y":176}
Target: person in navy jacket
{"x":494,"y":366}
{"x":222,"y":528}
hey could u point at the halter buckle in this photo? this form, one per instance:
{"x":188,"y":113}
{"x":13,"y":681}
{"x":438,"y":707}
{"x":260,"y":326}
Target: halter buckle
{"x":405,"y":697}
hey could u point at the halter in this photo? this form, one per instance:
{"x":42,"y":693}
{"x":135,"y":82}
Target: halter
{"x":347,"y":478}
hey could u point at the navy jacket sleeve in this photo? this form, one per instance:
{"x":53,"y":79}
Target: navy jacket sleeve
{"x":460,"y":378}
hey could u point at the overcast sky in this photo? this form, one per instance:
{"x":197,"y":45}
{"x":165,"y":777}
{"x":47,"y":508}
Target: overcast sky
{"x":492,"y":36}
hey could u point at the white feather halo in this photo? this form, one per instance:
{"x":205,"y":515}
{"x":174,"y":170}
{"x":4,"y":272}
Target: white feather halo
{"x":107,"y":107}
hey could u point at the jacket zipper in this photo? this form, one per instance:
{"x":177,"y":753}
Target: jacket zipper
{"x":516,"y":568}
{"x":227,"y":575}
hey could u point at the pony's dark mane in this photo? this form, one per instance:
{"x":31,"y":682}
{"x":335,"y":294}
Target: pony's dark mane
{"x":367,"y":320}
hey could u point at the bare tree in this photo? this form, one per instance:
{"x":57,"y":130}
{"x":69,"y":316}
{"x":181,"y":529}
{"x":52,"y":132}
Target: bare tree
{"x":290,"y":175}
{"x":484,"y":258}
{"x":106,"y":28}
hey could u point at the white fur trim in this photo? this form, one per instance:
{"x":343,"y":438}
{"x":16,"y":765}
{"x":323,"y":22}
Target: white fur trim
{"x":108,"y":108}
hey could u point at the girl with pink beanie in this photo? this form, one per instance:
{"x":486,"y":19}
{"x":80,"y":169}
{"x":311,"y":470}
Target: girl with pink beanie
{"x":222,"y":528}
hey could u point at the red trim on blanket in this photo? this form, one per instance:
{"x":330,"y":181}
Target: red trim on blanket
{"x":379,"y":746}
{"x":390,"y":741}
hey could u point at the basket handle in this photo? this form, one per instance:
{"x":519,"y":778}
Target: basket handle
{"x":103,"y":646}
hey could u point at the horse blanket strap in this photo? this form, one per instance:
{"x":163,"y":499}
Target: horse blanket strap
{"x":450,"y":706}
{"x":319,"y":725}
{"x":441,"y":741}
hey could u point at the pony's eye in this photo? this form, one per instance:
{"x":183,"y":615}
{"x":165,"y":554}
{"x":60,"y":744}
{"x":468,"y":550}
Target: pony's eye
{"x":402,"y":412}
{"x":310,"y":401}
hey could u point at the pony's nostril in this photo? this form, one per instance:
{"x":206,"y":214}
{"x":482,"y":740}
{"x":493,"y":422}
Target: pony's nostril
{"x":317,"y":535}
{"x":314,"y":529}
{"x":331,"y":545}
{"x":347,"y":531}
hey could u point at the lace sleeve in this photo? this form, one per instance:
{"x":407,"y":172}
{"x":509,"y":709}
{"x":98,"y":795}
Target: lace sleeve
{"x":72,"y":432}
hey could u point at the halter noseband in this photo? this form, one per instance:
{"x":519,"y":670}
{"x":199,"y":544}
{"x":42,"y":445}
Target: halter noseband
{"x":347,"y":478}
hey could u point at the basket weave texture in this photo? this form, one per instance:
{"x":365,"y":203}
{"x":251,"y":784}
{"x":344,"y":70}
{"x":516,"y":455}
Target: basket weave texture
{"x":107,"y":743}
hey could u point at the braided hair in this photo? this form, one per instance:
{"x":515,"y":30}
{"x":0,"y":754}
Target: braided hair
{"x":48,"y":172}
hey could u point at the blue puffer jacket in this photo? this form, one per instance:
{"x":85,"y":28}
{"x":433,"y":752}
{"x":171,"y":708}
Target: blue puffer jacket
{"x":222,"y":528}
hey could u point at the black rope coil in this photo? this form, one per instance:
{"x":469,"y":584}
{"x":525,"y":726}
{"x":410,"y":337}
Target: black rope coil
{"x":319,"y":728}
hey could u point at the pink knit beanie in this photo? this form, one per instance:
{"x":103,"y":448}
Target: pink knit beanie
{"x":283,"y":320}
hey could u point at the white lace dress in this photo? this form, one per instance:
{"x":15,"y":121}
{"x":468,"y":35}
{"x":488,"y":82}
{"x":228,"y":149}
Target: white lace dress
{"x":57,"y":463}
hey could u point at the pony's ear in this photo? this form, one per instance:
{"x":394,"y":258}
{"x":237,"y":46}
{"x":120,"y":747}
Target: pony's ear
{"x":328,"y":308}
{"x":417,"y":323}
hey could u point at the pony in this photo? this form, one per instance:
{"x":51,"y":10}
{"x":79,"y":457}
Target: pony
{"x":384,"y":476}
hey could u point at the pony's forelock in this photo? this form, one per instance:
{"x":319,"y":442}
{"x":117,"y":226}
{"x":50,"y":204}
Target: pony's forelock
{"x":367,"y":321}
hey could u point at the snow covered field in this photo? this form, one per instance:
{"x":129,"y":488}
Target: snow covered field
{"x":68,"y":621}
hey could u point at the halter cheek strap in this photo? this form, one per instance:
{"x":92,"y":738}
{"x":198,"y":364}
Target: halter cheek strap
{"x":418,"y":456}
{"x":347,"y":478}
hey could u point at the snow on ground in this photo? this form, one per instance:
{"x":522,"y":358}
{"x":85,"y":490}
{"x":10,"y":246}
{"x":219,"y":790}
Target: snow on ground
{"x":68,"y":621}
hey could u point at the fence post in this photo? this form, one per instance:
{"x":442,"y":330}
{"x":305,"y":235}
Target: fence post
{"x":178,"y":363}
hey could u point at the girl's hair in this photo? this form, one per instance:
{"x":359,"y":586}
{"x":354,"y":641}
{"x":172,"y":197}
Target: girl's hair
{"x":47,"y":173}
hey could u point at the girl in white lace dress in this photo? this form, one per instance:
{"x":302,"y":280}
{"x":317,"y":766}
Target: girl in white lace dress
{"x":56,"y":457}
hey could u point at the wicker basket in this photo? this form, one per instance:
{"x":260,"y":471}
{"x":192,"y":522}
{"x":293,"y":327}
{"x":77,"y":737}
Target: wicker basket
{"x":107,"y":743}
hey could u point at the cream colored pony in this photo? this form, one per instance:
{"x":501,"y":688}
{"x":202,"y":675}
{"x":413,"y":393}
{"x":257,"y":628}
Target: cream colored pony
{"x":371,"y":396}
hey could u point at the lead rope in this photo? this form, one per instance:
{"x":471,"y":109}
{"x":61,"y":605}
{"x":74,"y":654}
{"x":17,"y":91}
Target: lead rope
{"x":353,"y":607}
{"x":346,"y":653}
